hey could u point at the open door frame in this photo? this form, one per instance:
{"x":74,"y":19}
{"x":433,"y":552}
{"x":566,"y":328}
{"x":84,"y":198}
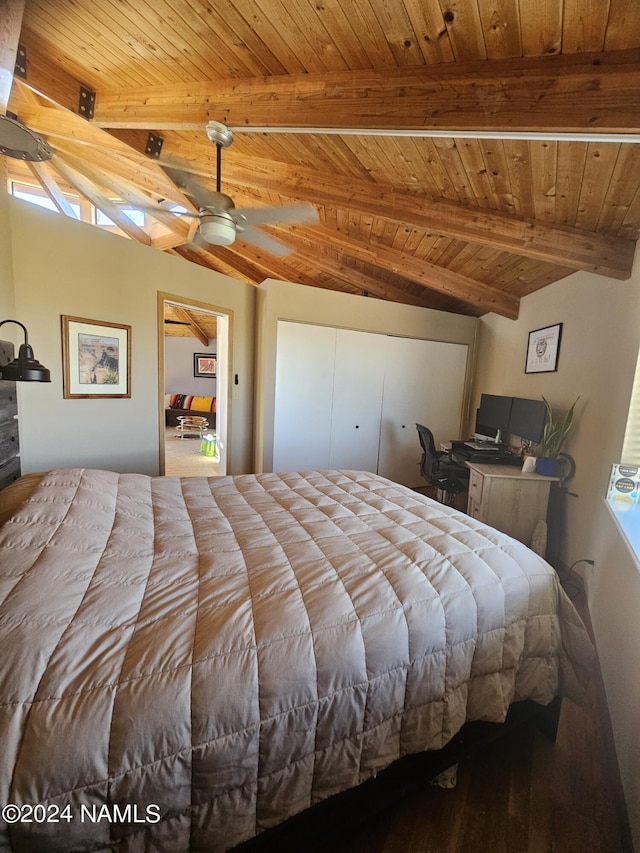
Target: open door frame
{"x":224,"y":376}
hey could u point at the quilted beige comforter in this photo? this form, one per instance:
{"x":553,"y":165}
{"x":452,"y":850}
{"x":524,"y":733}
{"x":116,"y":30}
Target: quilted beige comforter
{"x":187,"y":662}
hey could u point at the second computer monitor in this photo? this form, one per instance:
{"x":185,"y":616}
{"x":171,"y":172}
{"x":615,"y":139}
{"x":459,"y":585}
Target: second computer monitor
{"x":528,"y":418}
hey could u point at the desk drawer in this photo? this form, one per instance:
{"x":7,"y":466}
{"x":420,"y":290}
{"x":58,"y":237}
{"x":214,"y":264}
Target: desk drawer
{"x":475,"y":486}
{"x":473,"y":509}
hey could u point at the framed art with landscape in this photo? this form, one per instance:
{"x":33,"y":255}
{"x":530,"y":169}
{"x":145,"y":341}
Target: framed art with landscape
{"x":96,"y":358}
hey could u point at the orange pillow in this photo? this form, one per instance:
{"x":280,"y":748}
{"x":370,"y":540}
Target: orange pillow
{"x":203,"y":404}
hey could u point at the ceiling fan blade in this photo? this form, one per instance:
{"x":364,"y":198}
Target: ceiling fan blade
{"x":205,"y":199}
{"x":200,"y":242}
{"x":162,"y":207}
{"x":201,"y":195}
{"x":299,"y":214}
{"x":263,"y":241}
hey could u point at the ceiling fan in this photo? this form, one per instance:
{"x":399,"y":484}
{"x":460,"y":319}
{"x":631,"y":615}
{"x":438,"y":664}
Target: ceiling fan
{"x":221,"y":221}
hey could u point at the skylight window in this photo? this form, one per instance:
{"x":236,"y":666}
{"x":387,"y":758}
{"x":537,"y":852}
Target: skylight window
{"x":136,"y":216}
{"x":81,"y":209}
{"x":35,"y":196}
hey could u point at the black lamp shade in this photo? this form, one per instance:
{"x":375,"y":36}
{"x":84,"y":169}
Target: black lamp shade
{"x":24,"y":368}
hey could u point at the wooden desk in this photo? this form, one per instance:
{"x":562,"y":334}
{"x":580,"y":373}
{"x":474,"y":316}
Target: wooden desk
{"x":505,"y":498}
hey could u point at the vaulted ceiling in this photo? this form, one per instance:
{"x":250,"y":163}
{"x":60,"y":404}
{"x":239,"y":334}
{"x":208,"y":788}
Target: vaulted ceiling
{"x":334,"y":103}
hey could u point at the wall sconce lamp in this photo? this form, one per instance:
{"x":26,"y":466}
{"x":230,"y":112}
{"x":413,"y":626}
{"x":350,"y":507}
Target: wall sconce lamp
{"x":24,"y":368}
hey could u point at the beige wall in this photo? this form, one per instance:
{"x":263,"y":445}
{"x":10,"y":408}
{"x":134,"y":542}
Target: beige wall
{"x":7,"y":302}
{"x":600,"y":339}
{"x":280,"y":300}
{"x":61,"y":266}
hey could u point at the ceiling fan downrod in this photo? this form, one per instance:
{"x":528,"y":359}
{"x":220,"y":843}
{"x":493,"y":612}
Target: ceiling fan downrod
{"x":221,"y":137}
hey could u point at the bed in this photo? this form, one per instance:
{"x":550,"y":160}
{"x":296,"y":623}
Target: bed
{"x":189,"y":662}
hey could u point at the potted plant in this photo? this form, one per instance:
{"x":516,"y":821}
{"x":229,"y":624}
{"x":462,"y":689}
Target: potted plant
{"x":553,"y":439}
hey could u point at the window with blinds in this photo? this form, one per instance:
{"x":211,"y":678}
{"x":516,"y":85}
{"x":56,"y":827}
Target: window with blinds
{"x":631,"y":446}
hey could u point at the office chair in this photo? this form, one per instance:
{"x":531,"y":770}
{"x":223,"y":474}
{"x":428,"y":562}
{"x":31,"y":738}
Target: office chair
{"x":438,"y":470}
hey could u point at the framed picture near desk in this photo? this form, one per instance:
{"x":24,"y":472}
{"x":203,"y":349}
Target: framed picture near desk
{"x":543,"y":349}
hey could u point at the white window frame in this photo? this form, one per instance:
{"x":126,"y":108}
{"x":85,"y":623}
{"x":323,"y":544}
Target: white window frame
{"x":87,"y":211}
{"x":627,"y":516}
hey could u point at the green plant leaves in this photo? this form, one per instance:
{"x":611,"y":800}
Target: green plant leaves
{"x":555,"y":432}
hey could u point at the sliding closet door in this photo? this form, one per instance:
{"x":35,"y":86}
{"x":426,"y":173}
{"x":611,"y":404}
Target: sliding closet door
{"x":423,"y":383}
{"x":347,"y":399}
{"x":303,"y":399}
{"x":357,"y":400}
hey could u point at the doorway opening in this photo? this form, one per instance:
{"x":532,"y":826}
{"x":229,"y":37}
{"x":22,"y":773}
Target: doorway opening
{"x":194,"y":383}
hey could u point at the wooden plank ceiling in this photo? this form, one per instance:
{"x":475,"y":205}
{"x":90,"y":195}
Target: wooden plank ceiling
{"x":181,"y":322}
{"x":464,"y":224}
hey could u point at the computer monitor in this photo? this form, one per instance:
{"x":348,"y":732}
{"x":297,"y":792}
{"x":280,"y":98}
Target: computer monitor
{"x":528,"y":418}
{"x":492,"y":420}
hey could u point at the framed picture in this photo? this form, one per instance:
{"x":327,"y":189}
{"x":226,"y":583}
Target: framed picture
{"x":543,"y":349}
{"x":96,"y":358}
{"x":204,"y":364}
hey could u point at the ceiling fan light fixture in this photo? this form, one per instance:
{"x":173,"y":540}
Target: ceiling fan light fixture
{"x":218,"y":228}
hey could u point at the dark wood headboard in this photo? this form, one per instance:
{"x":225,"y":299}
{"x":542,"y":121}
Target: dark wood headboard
{"x":9,"y":441}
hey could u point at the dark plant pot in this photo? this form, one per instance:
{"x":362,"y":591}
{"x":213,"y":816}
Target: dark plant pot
{"x":548,"y":467}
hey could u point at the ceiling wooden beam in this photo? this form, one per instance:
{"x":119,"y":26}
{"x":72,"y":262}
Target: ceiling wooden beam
{"x":64,"y":130}
{"x":444,"y":281}
{"x":145,"y":178}
{"x":347,"y":278}
{"x":11,"y":12}
{"x":46,"y":77}
{"x":233,"y":266}
{"x":47,"y":179}
{"x":197,"y":330}
{"x":88,"y":189}
{"x":556,"y":244}
{"x":182,"y":228}
{"x":360,"y":283}
{"x":582,"y":91}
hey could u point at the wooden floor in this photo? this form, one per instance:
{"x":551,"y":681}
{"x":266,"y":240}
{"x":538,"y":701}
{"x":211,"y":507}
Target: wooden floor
{"x":522,"y":794}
